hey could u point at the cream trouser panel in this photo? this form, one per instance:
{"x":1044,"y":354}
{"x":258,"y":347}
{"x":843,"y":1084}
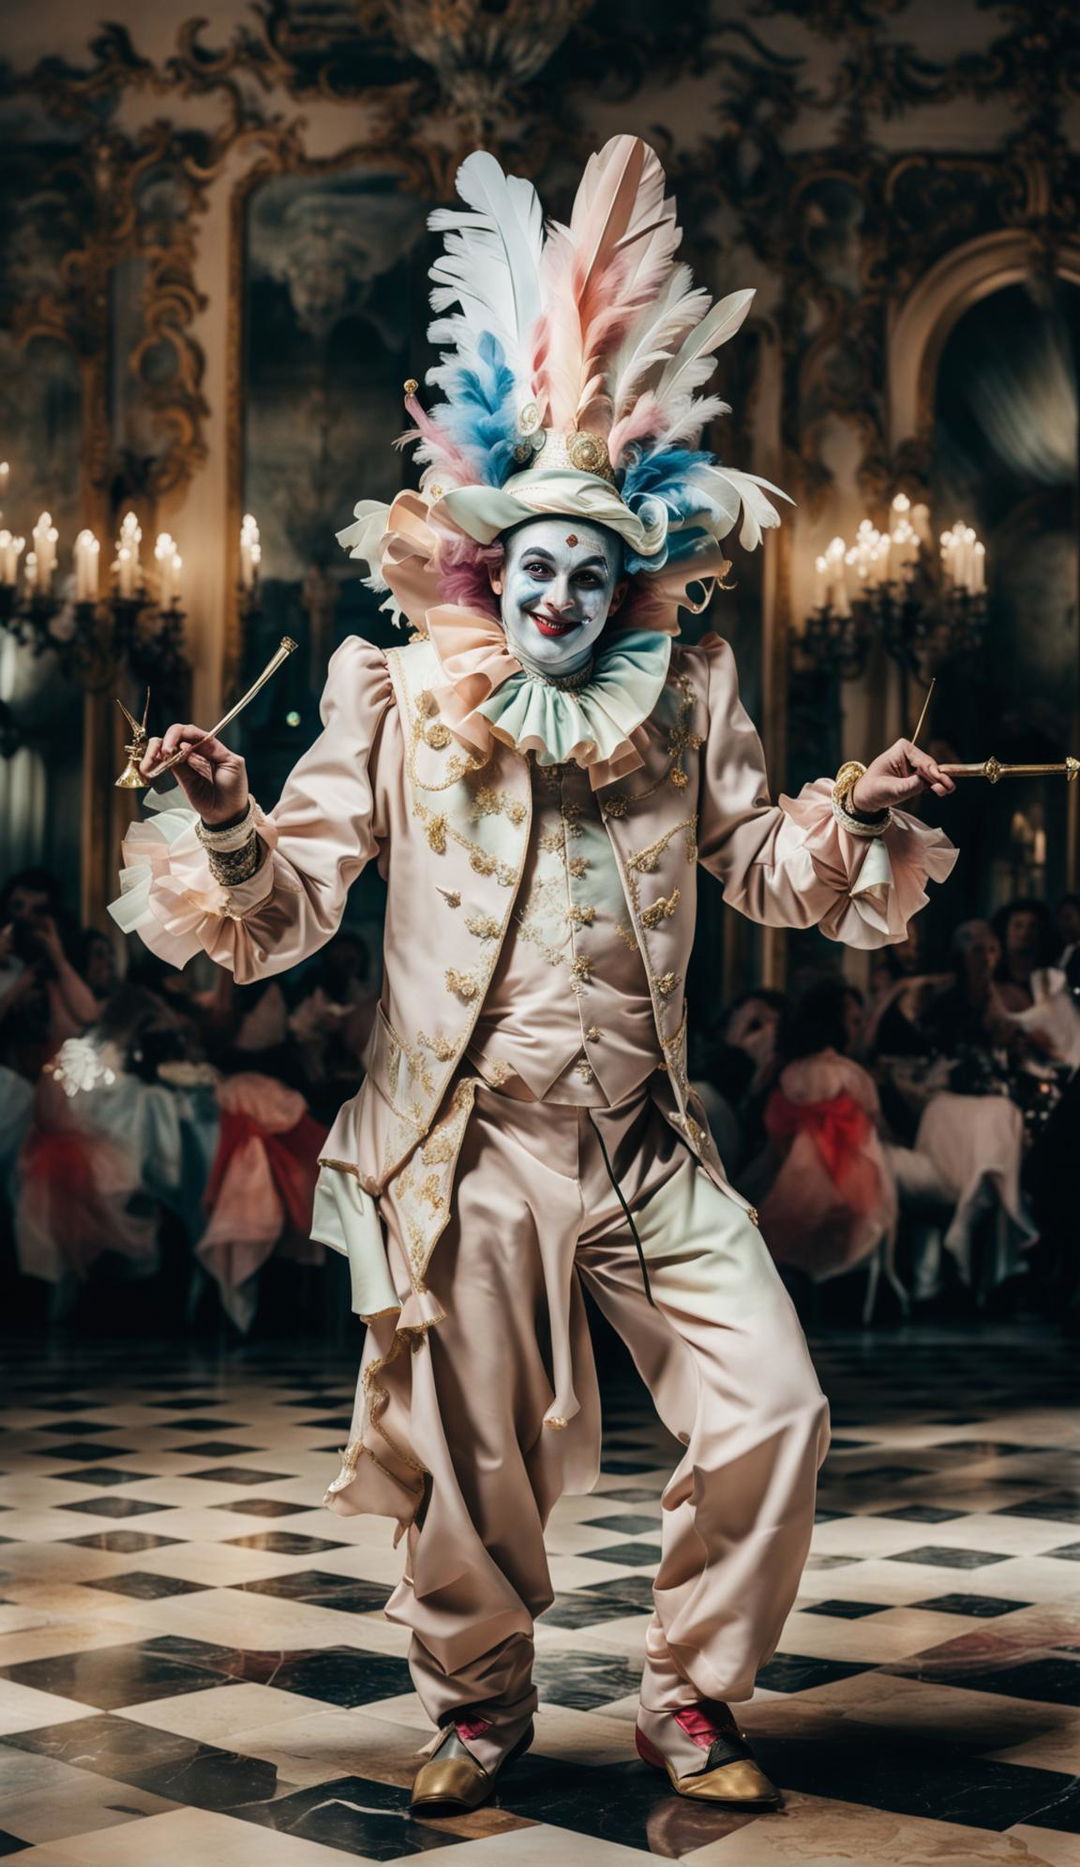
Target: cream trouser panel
{"x":720,"y":1349}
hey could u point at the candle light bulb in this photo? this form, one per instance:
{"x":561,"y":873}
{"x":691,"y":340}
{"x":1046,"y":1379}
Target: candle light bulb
{"x":250,"y":551}
{"x":87,"y":556}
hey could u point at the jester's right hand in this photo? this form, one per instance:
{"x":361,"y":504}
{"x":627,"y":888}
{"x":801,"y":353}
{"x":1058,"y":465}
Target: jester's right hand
{"x":213,"y":779}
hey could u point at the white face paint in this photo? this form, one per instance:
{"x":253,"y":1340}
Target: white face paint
{"x":557,"y":588}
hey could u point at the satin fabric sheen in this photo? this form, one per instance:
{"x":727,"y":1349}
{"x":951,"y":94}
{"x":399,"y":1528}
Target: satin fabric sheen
{"x":536,"y":1220}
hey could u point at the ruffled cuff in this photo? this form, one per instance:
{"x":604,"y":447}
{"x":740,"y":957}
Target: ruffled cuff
{"x":168,"y":895}
{"x":879,"y":882}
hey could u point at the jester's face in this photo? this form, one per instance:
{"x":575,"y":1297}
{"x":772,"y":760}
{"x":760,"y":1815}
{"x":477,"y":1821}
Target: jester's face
{"x":558,"y":584}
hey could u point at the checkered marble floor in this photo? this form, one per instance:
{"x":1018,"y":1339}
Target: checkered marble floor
{"x":194,"y":1667}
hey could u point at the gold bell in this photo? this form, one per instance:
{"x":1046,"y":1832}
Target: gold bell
{"x":131,"y":778}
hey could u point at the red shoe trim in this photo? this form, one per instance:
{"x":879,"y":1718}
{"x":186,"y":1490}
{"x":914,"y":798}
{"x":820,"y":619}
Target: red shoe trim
{"x":700,"y":1728}
{"x":471,"y":1727}
{"x":647,"y":1751}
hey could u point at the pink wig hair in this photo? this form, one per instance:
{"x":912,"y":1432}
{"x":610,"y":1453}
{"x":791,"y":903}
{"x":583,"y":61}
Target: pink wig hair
{"x":465,"y":569}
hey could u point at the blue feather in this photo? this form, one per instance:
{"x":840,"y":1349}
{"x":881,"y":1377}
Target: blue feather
{"x":480,"y":414}
{"x":663,"y":474}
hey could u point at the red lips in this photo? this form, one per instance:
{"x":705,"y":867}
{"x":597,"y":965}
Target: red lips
{"x":551,"y":625}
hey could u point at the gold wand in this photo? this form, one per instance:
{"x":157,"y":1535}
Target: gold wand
{"x":992,"y":769}
{"x":131,"y":779}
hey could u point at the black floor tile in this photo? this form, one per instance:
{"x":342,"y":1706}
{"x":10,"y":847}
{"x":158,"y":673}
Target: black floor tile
{"x":1053,"y":1679}
{"x":935,"y":1781}
{"x":262,"y":1506}
{"x":627,"y":1805}
{"x":635,"y":1555}
{"x":1057,"y":1507}
{"x":985,"y":1607}
{"x":109,"y":1506}
{"x":583,"y":1680}
{"x":284,"y":1543}
{"x":921,"y":1513}
{"x":103,"y":1475}
{"x":344,"y":1676}
{"x":176,"y":1768}
{"x":321,"y":1588}
{"x":214,"y":1449}
{"x":798,"y":1672}
{"x":11,"y":1844}
{"x":1068,"y":1552}
{"x":363,"y":1818}
{"x":240,"y":1475}
{"x":76,"y":1426}
{"x":111,"y":1676}
{"x":121,"y":1542}
{"x":941,"y":1557}
{"x":144,"y":1585}
{"x":630,"y":1525}
{"x":576,"y":1610}
{"x":87,"y":1449}
{"x":196,"y":1426}
{"x":848,"y":1610}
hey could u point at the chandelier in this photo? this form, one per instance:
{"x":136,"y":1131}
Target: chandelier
{"x":136,"y":623}
{"x":924,"y":606}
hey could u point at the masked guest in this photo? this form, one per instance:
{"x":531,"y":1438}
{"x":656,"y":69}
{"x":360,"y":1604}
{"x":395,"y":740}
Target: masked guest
{"x":539,"y":777}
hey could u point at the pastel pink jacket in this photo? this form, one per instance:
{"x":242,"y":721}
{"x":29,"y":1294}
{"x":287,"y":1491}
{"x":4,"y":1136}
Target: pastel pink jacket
{"x":449,"y":827}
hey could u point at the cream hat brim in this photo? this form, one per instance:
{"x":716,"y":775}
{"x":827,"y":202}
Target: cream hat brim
{"x":483,"y":512}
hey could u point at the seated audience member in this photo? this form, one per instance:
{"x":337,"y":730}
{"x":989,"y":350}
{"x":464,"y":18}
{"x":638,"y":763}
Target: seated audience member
{"x":833,"y":1198}
{"x":969,"y":1014}
{"x":45,"y":1000}
{"x":1024,"y":930}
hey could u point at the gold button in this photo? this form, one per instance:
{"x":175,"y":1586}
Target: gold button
{"x":593,"y":1034}
{"x":752,"y":1214}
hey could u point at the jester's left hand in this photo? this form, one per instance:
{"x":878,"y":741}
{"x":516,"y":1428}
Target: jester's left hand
{"x":897,"y":776}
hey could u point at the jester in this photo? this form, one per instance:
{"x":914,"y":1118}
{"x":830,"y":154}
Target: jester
{"x":539,"y":772}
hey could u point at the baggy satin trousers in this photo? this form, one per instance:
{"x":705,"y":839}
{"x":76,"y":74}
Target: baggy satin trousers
{"x":481,"y":1401}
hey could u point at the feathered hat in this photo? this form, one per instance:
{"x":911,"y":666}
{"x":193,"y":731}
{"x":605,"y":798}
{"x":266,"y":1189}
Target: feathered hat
{"x":570,"y":369}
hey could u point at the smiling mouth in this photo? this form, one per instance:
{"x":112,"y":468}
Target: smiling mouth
{"x":549,"y":625}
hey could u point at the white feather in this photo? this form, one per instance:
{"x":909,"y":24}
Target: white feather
{"x":729,"y":489}
{"x":653,"y":337}
{"x":693,"y":362}
{"x":490,"y":266}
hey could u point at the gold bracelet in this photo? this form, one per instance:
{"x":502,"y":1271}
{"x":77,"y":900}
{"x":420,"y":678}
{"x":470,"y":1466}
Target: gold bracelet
{"x":230,"y":867}
{"x":845,"y":781}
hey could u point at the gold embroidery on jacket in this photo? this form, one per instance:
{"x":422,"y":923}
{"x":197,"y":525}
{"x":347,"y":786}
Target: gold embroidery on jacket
{"x":660,"y":910}
{"x":484,"y":926}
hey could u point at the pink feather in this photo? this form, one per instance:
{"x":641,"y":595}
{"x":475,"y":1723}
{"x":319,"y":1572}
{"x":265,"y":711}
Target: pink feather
{"x":442,"y":451}
{"x":645,"y":419}
{"x":598,"y":273}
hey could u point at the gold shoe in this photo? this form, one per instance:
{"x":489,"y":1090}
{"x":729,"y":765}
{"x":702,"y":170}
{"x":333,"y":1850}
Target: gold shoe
{"x":452,"y":1782}
{"x":731,"y":1774}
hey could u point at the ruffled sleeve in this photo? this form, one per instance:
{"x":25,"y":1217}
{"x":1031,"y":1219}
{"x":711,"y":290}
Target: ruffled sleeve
{"x":791,"y":864}
{"x":318,"y":838}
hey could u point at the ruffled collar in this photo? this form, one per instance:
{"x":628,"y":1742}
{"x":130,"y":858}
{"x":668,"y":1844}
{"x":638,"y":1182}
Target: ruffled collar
{"x":486,"y":694}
